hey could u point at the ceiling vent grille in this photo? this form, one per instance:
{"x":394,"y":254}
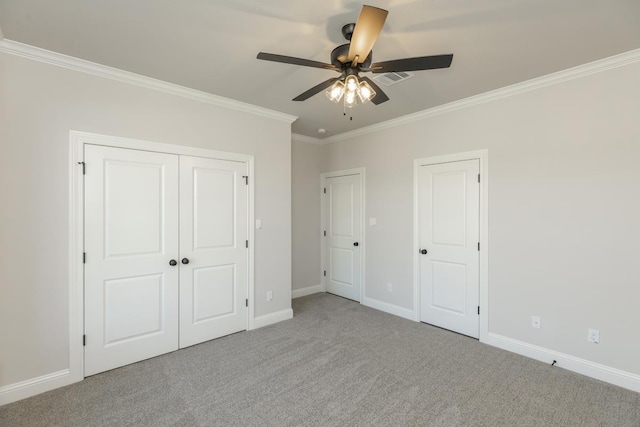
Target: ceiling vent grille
{"x":389,"y":79}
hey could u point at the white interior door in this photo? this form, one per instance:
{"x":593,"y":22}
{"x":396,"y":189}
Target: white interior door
{"x":343,"y":235}
{"x":449,"y":243}
{"x":131,"y":234}
{"x":213,"y":249}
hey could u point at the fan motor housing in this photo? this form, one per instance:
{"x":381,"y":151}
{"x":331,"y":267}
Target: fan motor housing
{"x":340,"y":55}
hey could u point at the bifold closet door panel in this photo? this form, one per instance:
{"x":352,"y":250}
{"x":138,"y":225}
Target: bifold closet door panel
{"x":213,"y":248}
{"x":131,"y":235}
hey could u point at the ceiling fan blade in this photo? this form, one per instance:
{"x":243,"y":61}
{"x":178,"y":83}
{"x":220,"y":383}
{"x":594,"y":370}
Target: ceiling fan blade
{"x":413,"y":64}
{"x":366,"y":32}
{"x":380,"y":95}
{"x":295,"y":61}
{"x":317,"y":88}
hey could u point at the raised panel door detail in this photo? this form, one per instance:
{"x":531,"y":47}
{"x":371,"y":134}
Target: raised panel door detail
{"x":144,"y":209}
{"x":133,"y":208}
{"x":213,"y":231}
{"x":342,"y":266}
{"x":214,"y":208}
{"x":448,"y":227}
{"x":449,"y":286}
{"x":449,"y":208}
{"x":131,"y":233}
{"x":213,"y":292}
{"x":343,"y":245}
{"x":341,"y":200}
{"x":133,"y":307}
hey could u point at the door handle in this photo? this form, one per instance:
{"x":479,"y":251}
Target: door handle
{"x":173,"y":262}
{"x":355,"y":243}
{"x":423,"y":251}
{"x":185,"y":261}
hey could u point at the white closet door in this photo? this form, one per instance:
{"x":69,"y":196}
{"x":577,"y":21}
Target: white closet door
{"x":342,"y":220}
{"x":131,"y":234}
{"x":449,"y":235}
{"x":213,"y":252}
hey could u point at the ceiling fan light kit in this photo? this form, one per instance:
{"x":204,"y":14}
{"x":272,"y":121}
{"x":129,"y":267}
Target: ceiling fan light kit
{"x":352,"y":90}
{"x":356,"y":56}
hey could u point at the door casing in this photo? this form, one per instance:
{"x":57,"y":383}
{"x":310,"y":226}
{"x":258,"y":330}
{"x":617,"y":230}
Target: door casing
{"x":77,"y":140}
{"x":483,"y":157}
{"x":323,"y":179}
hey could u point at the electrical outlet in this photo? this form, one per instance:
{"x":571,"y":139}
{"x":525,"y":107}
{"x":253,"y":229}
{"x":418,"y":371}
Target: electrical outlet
{"x":535,"y":322}
{"x":269,"y":295}
{"x":593,"y":335}
{"x":389,"y":287}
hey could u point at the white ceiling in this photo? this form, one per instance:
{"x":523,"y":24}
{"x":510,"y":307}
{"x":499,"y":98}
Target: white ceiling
{"x":211,"y":45}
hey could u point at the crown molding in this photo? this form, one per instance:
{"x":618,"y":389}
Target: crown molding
{"x":580,"y":71}
{"x":307,"y":139}
{"x":77,"y":64}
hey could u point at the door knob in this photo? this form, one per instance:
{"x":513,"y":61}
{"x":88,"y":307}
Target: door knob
{"x":355,"y":244}
{"x":173,"y":262}
{"x":423,"y":252}
{"x":185,"y":260}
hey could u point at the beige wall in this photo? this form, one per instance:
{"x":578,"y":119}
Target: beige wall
{"x":39,"y":105}
{"x":306,"y":163}
{"x":564,"y":210}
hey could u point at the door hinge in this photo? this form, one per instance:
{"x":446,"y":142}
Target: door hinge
{"x":478,"y":310}
{"x":246,"y":302}
{"x":478,"y":245}
{"x":246,"y":179}
{"x":478,"y":177}
{"x":325,"y":272}
{"x":84,"y":257}
{"x":325,"y":233}
{"x":84,"y":167}
{"x":84,"y":340}
{"x":246,"y":243}
{"x":325,"y":190}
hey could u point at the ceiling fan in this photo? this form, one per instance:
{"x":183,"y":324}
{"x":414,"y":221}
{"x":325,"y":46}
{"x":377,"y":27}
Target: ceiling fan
{"x":355,"y":57}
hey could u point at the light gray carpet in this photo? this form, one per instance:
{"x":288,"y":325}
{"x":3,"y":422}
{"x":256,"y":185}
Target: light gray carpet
{"x":336,"y":363}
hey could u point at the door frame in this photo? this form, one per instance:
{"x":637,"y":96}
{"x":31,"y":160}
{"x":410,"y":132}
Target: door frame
{"x":483,"y":298}
{"x":77,"y":141}
{"x":323,"y":181}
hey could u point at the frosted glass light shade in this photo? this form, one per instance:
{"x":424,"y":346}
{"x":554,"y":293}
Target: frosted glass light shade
{"x":335,"y":92}
{"x":365,"y":92}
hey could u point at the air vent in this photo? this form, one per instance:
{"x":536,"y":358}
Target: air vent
{"x":389,"y":79}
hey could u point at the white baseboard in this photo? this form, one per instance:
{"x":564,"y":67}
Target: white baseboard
{"x":303,"y":292}
{"x":598,"y":371}
{"x":271,"y":318}
{"x":389,"y":308}
{"x":23,"y":389}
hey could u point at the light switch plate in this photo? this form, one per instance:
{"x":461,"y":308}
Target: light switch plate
{"x":372,"y":222}
{"x":258,"y":224}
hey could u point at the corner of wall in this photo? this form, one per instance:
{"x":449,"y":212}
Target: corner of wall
{"x":396,"y":310}
{"x":14,"y":392}
{"x":271,"y":318}
{"x":309,"y":290}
